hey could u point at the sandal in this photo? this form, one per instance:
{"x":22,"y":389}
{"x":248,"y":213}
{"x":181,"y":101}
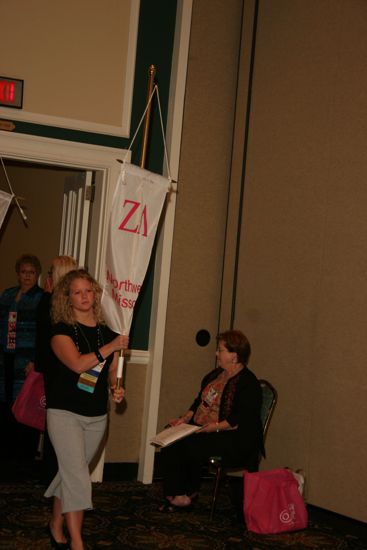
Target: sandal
{"x":167,"y":507}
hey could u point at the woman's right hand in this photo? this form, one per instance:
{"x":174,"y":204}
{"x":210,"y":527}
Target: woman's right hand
{"x":120,"y":342}
{"x":185,"y":418}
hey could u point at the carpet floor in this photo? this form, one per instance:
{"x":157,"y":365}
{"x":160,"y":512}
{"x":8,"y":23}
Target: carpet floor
{"x":126,"y":516}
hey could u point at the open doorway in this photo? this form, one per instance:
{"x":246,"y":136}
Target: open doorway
{"x":51,"y":178}
{"x":52,"y":198}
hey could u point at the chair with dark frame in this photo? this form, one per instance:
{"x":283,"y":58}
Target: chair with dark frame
{"x":270,"y":397}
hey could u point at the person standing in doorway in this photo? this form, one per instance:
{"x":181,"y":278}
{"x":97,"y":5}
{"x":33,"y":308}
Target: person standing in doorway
{"x":60,"y":265}
{"x":18,"y":311}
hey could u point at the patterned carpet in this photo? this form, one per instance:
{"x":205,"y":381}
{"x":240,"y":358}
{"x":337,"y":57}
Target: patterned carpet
{"x":126,"y":517}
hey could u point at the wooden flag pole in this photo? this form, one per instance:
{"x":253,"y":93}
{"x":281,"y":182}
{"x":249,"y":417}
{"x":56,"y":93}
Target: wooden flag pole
{"x":151,"y":73}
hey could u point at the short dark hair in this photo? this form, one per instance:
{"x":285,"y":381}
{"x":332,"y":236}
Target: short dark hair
{"x":28,"y":259}
{"x":236,"y":341}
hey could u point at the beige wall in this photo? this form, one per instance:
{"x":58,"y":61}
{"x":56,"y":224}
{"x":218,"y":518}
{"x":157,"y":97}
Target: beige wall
{"x":76,"y":60}
{"x":125,"y":419}
{"x":195,"y":281}
{"x":301,"y":294}
{"x":302,"y":263}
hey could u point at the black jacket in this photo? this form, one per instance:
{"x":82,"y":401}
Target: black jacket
{"x":240,"y":406}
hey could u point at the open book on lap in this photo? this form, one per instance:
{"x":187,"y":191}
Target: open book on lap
{"x":174,"y":433}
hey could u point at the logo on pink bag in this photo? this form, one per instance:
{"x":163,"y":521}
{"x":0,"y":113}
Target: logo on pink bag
{"x":288,"y":515}
{"x":43,"y":401}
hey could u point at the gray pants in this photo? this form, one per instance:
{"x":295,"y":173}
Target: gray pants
{"x":76,"y":440}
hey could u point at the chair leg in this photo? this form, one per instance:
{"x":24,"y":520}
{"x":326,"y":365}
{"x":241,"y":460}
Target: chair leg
{"x":236,"y":494}
{"x":215,"y":492}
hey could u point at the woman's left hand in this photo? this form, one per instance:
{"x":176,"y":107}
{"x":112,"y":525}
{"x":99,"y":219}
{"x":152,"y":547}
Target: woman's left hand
{"x":221,"y":426}
{"x":29,"y":367}
{"x":117,"y":393}
{"x":49,"y":285}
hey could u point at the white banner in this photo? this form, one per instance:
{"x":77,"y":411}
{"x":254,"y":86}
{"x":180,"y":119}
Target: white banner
{"x":136,"y":209}
{"x":5,"y":200}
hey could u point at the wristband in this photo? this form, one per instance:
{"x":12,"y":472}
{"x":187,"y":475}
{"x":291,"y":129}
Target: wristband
{"x":99,"y":356}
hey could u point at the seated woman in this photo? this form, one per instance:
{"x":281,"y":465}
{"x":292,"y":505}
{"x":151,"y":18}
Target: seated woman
{"x":228,"y":407}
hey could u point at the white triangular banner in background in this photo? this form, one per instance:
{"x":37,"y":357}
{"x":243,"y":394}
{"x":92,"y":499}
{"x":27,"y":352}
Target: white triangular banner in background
{"x":5,"y":200}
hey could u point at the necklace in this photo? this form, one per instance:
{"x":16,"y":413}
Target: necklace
{"x":77,"y":328}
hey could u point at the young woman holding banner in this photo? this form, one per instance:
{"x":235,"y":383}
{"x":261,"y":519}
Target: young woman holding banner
{"x":77,"y":383}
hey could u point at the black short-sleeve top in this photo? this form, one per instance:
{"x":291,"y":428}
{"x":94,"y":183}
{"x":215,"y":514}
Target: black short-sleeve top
{"x":61,"y":383}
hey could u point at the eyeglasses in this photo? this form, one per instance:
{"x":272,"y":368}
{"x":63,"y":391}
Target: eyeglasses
{"x":221,"y":350}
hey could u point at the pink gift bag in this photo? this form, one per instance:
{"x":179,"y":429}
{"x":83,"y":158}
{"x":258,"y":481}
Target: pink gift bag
{"x":273,"y":503}
{"x":29,"y":405}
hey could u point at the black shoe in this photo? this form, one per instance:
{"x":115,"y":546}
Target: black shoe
{"x":54,"y":543}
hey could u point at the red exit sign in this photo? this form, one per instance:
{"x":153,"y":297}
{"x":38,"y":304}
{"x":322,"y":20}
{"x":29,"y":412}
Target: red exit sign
{"x":11,"y":92}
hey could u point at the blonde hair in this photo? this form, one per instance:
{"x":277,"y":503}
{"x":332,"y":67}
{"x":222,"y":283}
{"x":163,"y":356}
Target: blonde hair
{"x":61,"y":309}
{"x":61,"y":265}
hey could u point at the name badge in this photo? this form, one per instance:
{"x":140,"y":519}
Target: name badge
{"x":87,"y":380}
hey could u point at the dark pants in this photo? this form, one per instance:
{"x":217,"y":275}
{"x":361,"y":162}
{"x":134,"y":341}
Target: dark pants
{"x":9,"y":377}
{"x":18,"y":441}
{"x":182,"y":462}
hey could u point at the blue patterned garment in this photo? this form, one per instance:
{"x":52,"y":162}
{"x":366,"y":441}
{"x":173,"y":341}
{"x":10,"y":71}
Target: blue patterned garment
{"x":22,"y":344}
